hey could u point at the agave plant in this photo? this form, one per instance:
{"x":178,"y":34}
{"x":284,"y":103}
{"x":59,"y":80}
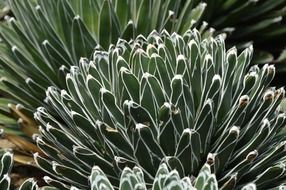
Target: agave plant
{"x":66,"y":30}
{"x":37,"y":53}
{"x":171,"y":99}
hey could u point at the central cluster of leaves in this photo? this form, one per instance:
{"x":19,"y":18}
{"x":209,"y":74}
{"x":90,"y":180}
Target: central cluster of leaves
{"x":177,"y":100}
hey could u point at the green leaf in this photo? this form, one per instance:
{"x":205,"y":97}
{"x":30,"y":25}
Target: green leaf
{"x":189,"y":150}
{"x":98,"y":180}
{"x":29,"y":184}
{"x":6,"y":166}
{"x":108,"y":27}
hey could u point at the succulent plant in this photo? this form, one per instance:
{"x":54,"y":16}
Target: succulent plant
{"x":179,"y":100}
{"x":48,"y":39}
{"x":37,"y":53}
{"x":66,"y":30}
